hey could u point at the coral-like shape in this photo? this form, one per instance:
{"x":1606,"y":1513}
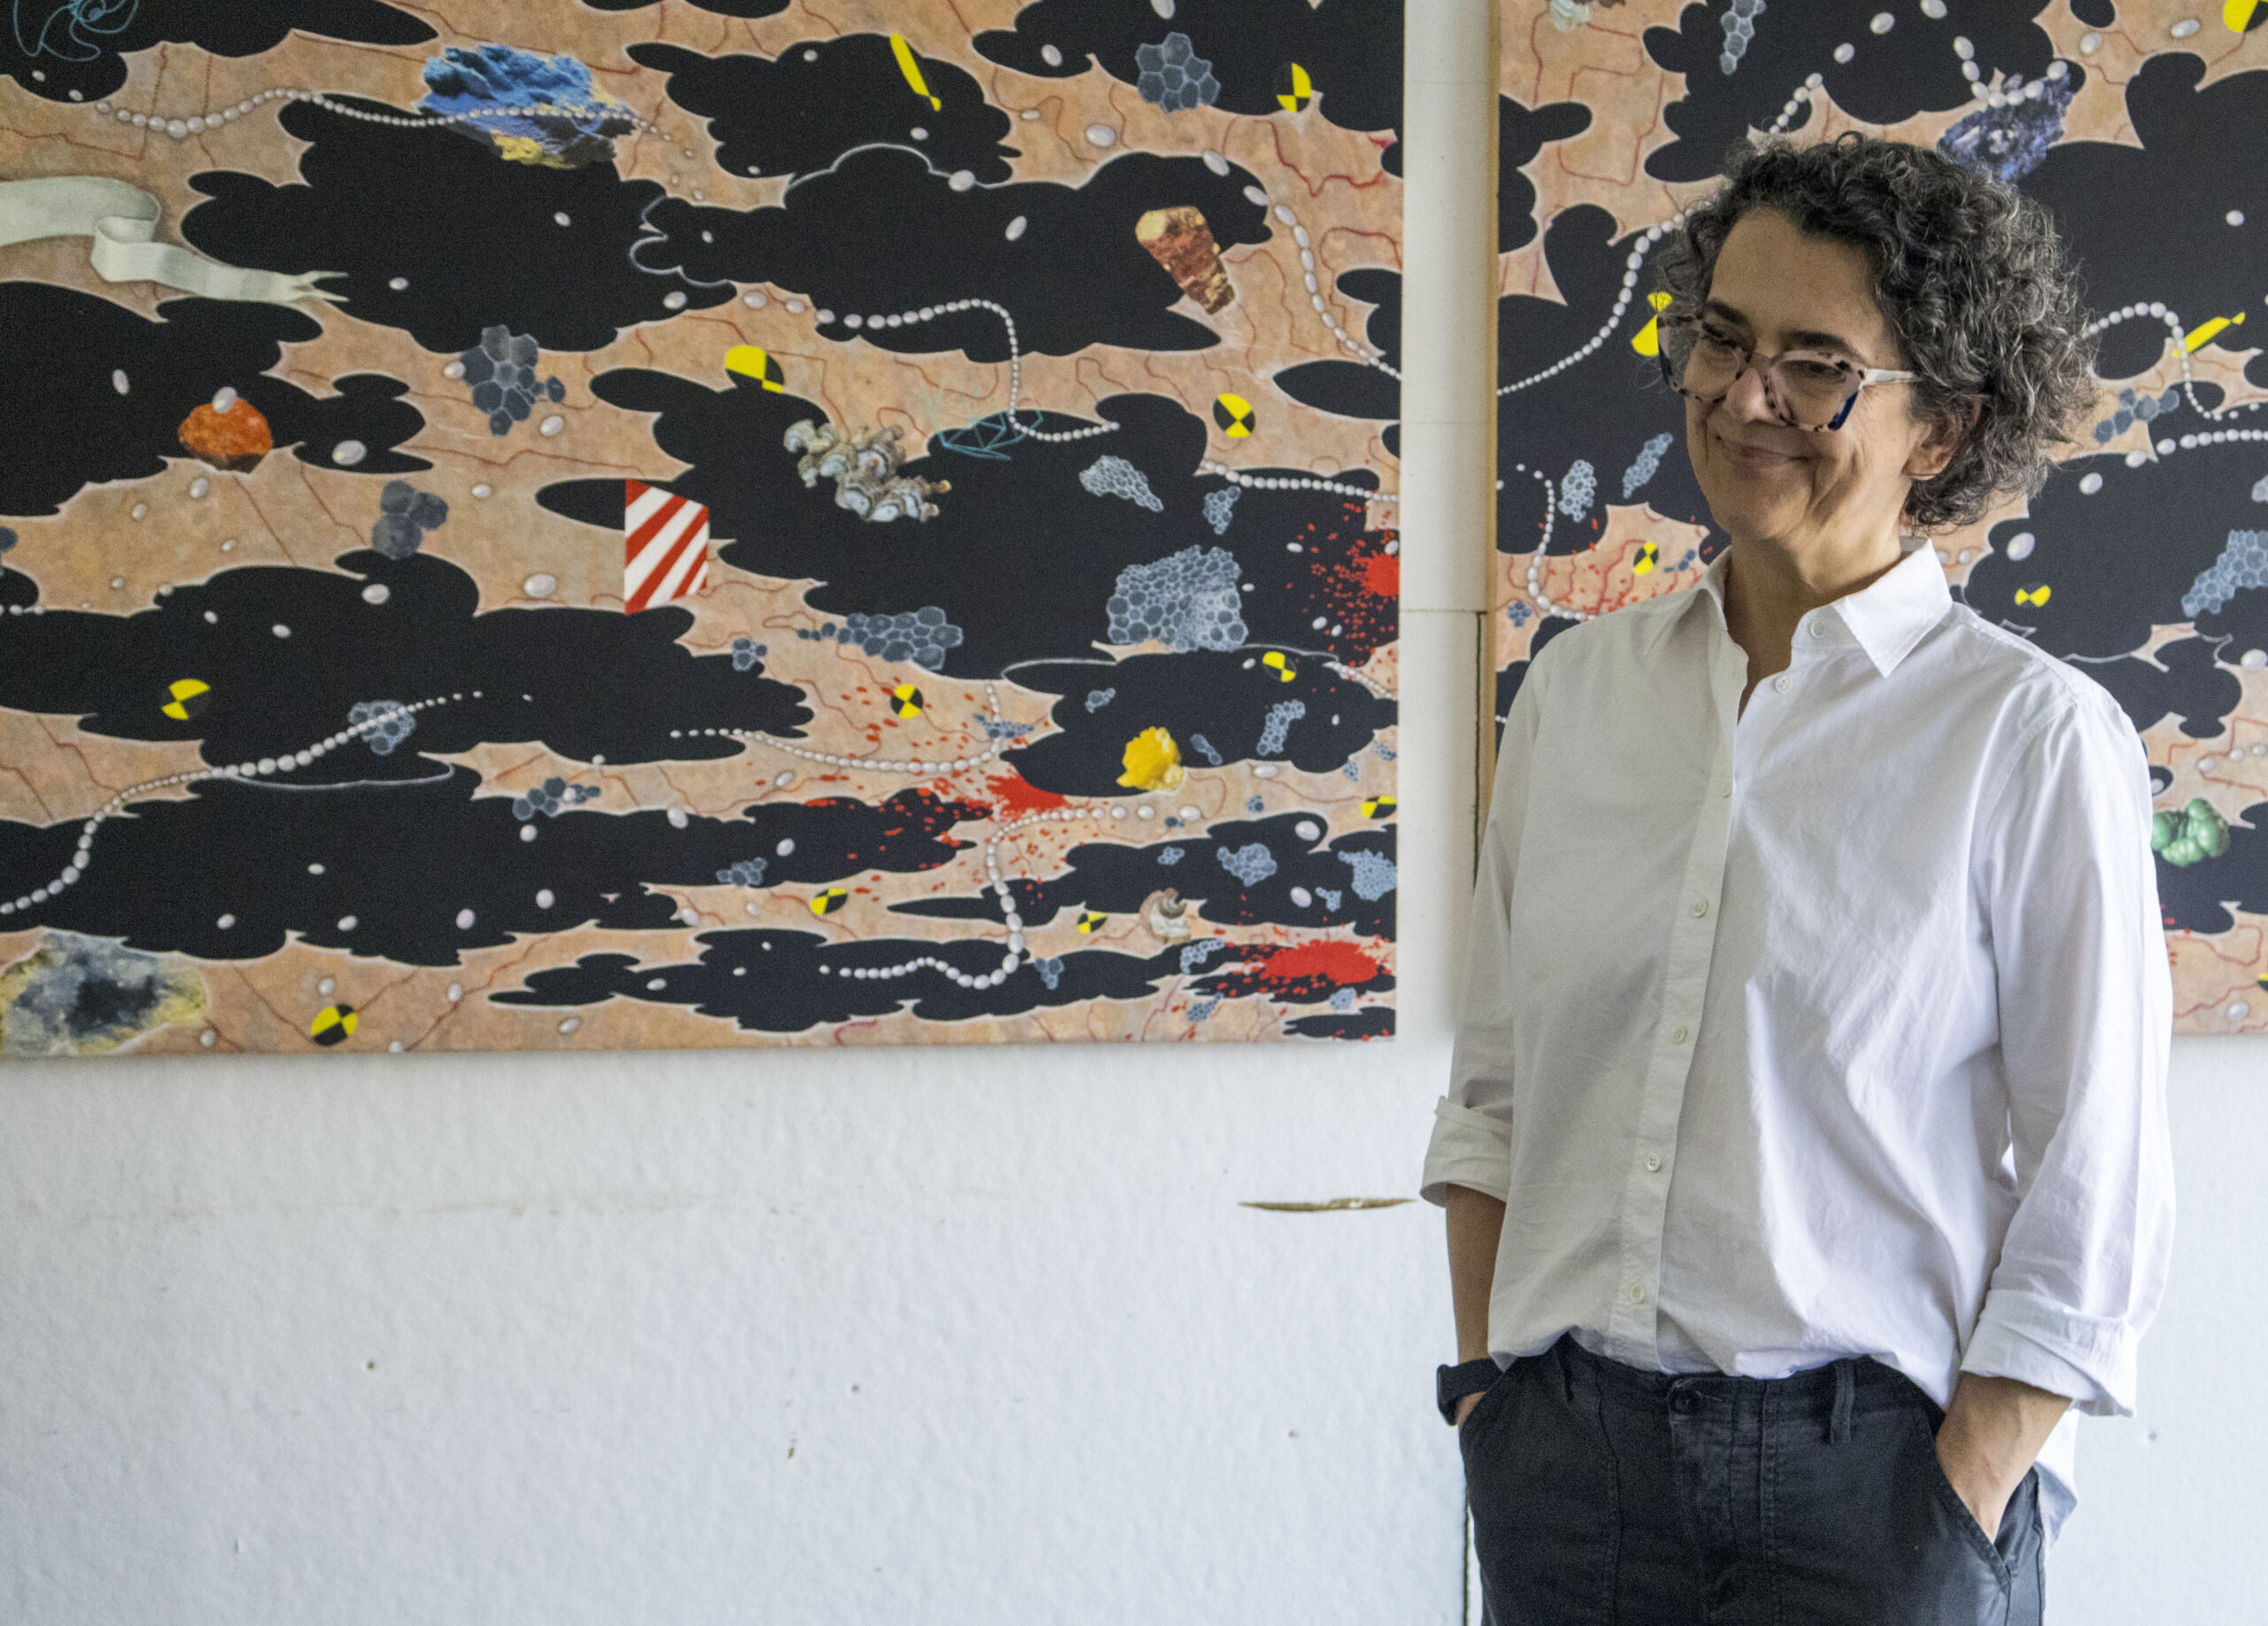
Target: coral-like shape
{"x":405,"y":513}
{"x":1190,"y":600}
{"x":502,"y":370}
{"x":2243,"y":563}
{"x":1114,"y":476}
{"x":530,"y":109}
{"x":1152,"y":762}
{"x":863,"y":465}
{"x":1174,"y":76}
{"x":396,"y":723}
{"x":2195,"y":833}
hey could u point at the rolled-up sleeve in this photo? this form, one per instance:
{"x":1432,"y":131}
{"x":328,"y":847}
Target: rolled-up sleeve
{"x":1472,"y":1125}
{"x":2086,"y":1004}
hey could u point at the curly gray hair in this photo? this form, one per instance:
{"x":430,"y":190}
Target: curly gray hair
{"x":1969,"y":273}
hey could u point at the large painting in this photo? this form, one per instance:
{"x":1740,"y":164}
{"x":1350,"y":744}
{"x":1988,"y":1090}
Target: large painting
{"x":592,"y":524}
{"x":2144,"y":128}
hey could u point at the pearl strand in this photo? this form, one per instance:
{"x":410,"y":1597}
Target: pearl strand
{"x":181,"y":129}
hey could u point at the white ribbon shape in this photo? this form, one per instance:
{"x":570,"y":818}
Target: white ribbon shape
{"x":123,"y":223}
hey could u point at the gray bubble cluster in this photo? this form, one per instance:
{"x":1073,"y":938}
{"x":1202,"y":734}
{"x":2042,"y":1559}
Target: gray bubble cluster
{"x":1114,"y":476}
{"x":1740,"y":28}
{"x":1281,"y":716}
{"x":1174,"y":76}
{"x":2259,"y":494}
{"x":2134,"y":409}
{"x":1330,"y":896}
{"x":747,"y":872}
{"x":1351,"y":769}
{"x":1197,"y":953}
{"x":1050,"y":971}
{"x":1198,"y":742}
{"x":552,"y":797}
{"x":1220,"y":507}
{"x":1001,"y":728}
{"x":1374,"y":873}
{"x":7,"y":539}
{"x":1097,"y":698}
{"x":1254,"y":804}
{"x":1577,"y":489}
{"x":1169,"y":855}
{"x":1199,"y":1009}
{"x":1342,"y":999}
{"x":1188,"y":600}
{"x":2243,"y":563}
{"x":502,"y":370}
{"x":746,"y":653}
{"x":1643,"y":466}
{"x":921,"y":636}
{"x":1383,"y":751}
{"x":1251,"y":864}
{"x":396,"y":723}
{"x":405,"y":513}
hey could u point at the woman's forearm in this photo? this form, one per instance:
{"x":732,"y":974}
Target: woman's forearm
{"x":1475,"y":1221}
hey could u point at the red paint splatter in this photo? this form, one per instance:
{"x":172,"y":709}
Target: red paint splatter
{"x":1342,"y":965}
{"x":1012,"y":795}
{"x":1381,"y":574}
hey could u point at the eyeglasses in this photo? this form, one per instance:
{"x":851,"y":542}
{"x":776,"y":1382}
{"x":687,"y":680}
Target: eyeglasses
{"x":1810,"y":390}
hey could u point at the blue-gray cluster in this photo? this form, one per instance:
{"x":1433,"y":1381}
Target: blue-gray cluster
{"x":1169,"y":855}
{"x":502,"y":370}
{"x":396,"y":723}
{"x":1254,"y":804}
{"x":1330,"y":896}
{"x":550,"y":799}
{"x":7,"y":539}
{"x":1174,"y":76}
{"x":2133,"y":410}
{"x":1097,"y":698}
{"x":1199,"y":1009}
{"x":921,"y":636}
{"x":2243,"y":563}
{"x":1201,"y":743}
{"x":1374,"y":873}
{"x":1251,"y":863}
{"x":2008,"y":141}
{"x":1220,"y":507}
{"x":405,"y":513}
{"x":1050,"y":971}
{"x":1197,"y":953}
{"x":1114,"y":476}
{"x":1643,"y":465}
{"x":746,"y":653}
{"x":1343,"y":999}
{"x":1001,"y":728}
{"x":1577,"y":489}
{"x":1383,"y":751}
{"x":2259,"y":494}
{"x":1281,"y":716}
{"x":748,"y":872}
{"x":1351,"y":769}
{"x":1187,"y":600}
{"x":1740,"y":28}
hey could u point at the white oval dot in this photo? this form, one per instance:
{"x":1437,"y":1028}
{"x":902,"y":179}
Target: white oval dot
{"x":280,"y":630}
{"x":539,"y":586}
{"x":1016,"y":228}
{"x":464,"y":920}
{"x":1100,"y":134}
{"x":551,"y":425}
{"x":561,"y":218}
{"x":2090,"y":483}
{"x":347,"y":454}
{"x":483,"y":489}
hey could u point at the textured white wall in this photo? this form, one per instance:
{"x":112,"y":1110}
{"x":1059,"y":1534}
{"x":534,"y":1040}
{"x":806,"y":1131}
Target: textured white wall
{"x":946,"y":1336}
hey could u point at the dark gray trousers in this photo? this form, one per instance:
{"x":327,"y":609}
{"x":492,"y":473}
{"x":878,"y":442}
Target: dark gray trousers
{"x":1602,"y":1494}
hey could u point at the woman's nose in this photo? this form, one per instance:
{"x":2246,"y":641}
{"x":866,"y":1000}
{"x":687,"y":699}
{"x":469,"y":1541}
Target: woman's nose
{"x":1751,"y":396}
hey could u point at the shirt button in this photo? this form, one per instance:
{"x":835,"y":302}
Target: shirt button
{"x":1819,"y":629}
{"x":1653,"y":1162}
{"x":1780,"y":682}
{"x":1700,"y":907}
{"x":1637,"y":1293}
{"x":1677,"y":1036}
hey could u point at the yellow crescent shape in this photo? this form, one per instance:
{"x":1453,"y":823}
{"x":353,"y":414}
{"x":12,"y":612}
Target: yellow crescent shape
{"x":912,"y":69}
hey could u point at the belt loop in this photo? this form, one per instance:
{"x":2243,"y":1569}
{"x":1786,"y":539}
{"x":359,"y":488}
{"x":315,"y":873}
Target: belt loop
{"x":1838,"y":1427}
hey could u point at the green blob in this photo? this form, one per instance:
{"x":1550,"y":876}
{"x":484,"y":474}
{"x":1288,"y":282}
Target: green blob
{"x":2190,"y":836}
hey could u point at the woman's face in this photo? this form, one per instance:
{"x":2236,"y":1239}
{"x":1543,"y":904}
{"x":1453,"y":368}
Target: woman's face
{"x":1775,"y":289}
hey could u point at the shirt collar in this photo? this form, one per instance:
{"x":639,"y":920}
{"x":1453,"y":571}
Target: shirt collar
{"x":1887,"y":618}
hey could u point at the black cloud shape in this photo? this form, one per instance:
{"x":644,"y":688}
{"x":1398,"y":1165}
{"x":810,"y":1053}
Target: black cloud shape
{"x":59,"y":46}
{"x":882,"y":234}
{"x":2197,"y":897}
{"x":1604,"y":409}
{"x":1890,"y":78}
{"x":597,"y":682}
{"x":2119,"y":207}
{"x":818,"y":99}
{"x":1356,"y":389}
{"x":70,"y":425}
{"x":1351,"y":49}
{"x":1026,"y":517}
{"x":1114,"y":878}
{"x":2188,"y":684}
{"x":2117,"y":563}
{"x":721,"y":8}
{"x":1520,"y":135}
{"x":475,"y":239}
{"x":1224,"y":697}
{"x":384,"y":871}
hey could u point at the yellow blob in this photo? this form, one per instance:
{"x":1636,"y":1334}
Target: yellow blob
{"x":1092,"y":919}
{"x":754,"y":361}
{"x":1380,"y":808}
{"x":2238,"y":15}
{"x":829,"y":901}
{"x":906,"y":700}
{"x":1648,"y":339}
{"x":187,"y":697}
{"x":1649,"y":554}
{"x":1152,"y":762}
{"x":2203,"y":334}
{"x":912,"y":69}
{"x":2033,"y":596}
{"x":1285,"y":670}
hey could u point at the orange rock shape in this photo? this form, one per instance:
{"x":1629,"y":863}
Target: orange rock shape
{"x":234,"y":436}
{"x":1179,"y":240}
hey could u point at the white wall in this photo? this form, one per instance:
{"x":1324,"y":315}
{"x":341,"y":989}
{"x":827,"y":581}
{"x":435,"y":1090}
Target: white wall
{"x":861,"y":1336}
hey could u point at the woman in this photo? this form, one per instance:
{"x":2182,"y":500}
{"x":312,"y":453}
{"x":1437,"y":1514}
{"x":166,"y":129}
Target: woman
{"x":1804,"y":1155}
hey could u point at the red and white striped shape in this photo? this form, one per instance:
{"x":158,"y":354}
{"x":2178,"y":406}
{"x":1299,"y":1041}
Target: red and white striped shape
{"x":666,"y":546}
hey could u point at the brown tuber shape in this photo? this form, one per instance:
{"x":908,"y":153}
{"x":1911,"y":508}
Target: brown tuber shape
{"x":236,"y":439}
{"x":1179,"y":240}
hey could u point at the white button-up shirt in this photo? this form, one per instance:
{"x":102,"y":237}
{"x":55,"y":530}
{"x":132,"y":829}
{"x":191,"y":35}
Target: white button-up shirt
{"x":1837,"y":1026}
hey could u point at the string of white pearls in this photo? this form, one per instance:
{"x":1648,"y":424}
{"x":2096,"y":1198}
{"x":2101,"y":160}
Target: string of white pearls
{"x":1535,"y":593}
{"x":1347,"y":341}
{"x":196,"y":124}
{"x":1285,"y":482}
{"x":1630,"y":269}
{"x":930,"y":313}
{"x":2157,"y":308}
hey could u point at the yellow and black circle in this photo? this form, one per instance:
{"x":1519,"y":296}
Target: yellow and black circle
{"x":906,"y":700}
{"x":1294,"y":88}
{"x":1285,"y":671}
{"x":1235,"y":416}
{"x":186,"y":698}
{"x":829,"y":901}
{"x":754,"y":362}
{"x":334,"y":1024}
{"x":1091,"y":920}
{"x":1649,"y":555}
{"x":1380,"y":808}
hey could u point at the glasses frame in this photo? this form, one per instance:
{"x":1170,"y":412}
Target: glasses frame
{"x":1858,"y":377}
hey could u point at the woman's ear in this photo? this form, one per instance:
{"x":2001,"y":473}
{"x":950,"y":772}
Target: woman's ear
{"x":1930,"y":457}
